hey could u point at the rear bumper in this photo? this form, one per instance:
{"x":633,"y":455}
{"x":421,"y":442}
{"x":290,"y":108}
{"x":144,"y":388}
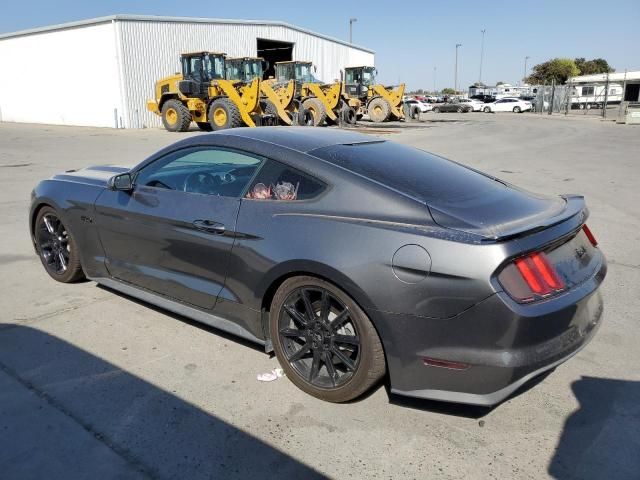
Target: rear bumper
{"x":504,"y":345}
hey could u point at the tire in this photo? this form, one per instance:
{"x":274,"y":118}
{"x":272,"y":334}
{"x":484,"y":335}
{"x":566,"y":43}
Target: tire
{"x":436,"y":110}
{"x":54,"y":242}
{"x":379,"y":110}
{"x":415,"y":113}
{"x":517,"y":110}
{"x":204,"y":126}
{"x":486,"y":110}
{"x":224,"y":114}
{"x":348,"y":115}
{"x":269,"y":108}
{"x":317,"y":110}
{"x":460,"y":110}
{"x":175,"y":116}
{"x":362,"y":364}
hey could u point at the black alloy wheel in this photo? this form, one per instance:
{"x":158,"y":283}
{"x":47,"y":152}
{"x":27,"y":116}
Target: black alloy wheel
{"x":56,"y":247}
{"x":324,"y":341}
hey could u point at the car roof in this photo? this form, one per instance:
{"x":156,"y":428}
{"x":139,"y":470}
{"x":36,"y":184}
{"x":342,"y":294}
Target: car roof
{"x":301,"y":139}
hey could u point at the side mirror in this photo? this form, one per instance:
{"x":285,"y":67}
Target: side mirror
{"x":122,"y":182}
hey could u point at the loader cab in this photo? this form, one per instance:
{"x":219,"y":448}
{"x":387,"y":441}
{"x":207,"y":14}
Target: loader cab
{"x":244,"y":69}
{"x":357,"y":80}
{"x":301,"y":72}
{"x":198,"y":70}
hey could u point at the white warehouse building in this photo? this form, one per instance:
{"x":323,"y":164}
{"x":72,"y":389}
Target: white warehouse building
{"x":100,"y":72}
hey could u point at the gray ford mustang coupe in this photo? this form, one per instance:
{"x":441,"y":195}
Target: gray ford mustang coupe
{"x":350,"y":256}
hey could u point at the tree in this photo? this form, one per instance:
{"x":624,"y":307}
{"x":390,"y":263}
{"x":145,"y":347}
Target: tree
{"x":448,"y":91}
{"x":558,"y":69}
{"x":590,"y":67}
{"x":499,"y":83}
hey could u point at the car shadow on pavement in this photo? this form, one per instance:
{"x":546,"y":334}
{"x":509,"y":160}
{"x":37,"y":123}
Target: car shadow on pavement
{"x":602,"y":438}
{"x":65,"y":413}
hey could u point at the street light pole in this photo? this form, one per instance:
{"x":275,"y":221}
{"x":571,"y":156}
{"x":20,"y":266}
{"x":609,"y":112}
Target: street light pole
{"x":434,"y":80}
{"x":455,"y":82}
{"x":351,"y":22}
{"x":525,"y":68}
{"x":481,"y":55}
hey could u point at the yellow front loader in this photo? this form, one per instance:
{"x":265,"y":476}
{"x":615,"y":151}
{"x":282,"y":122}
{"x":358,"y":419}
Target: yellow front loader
{"x":322,"y":101}
{"x":278,"y":101}
{"x":202,"y":94}
{"x":367,"y":97}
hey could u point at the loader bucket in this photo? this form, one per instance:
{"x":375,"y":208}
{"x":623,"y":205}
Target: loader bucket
{"x":393,"y":96}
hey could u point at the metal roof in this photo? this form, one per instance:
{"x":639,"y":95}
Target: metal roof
{"x":602,"y":77}
{"x":154,"y":18}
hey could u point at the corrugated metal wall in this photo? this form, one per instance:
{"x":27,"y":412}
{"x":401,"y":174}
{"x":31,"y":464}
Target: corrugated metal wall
{"x":150,"y":50}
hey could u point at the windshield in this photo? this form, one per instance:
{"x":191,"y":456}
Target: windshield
{"x":303,"y":72}
{"x":252,"y":69}
{"x":214,"y":66}
{"x":368,"y":76}
{"x":233,"y":71}
{"x":357,"y":76}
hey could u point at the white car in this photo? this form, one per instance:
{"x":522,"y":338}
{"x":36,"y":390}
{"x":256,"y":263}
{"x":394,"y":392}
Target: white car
{"x":507,"y":104}
{"x":416,"y":107}
{"x":477,"y":105}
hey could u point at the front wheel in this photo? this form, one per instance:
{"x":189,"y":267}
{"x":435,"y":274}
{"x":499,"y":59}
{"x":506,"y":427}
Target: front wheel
{"x":487,"y":110}
{"x":436,"y":110}
{"x":517,"y":110}
{"x":325,"y":343}
{"x":56,"y":247}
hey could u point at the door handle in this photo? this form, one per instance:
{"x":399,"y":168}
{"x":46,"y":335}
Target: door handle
{"x":209,"y":226}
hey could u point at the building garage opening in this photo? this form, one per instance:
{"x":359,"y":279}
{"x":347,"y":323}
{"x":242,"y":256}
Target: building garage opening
{"x":274,"y":51}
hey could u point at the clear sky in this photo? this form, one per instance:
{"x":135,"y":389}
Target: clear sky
{"x":409,"y":37}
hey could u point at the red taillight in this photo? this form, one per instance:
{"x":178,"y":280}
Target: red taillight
{"x":589,"y":234}
{"x":531,"y":277}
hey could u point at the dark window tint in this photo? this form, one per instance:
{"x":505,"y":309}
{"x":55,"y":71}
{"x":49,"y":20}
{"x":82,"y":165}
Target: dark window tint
{"x":424,"y":176}
{"x":277,"y":181}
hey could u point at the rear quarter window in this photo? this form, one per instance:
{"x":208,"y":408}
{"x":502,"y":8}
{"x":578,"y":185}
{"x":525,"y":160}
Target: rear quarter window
{"x":277,"y":181}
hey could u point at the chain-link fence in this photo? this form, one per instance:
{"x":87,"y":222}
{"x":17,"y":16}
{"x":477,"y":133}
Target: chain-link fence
{"x":600,"y":99}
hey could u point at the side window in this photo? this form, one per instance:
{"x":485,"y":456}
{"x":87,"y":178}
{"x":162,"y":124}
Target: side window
{"x":277,"y":181}
{"x":203,"y":170}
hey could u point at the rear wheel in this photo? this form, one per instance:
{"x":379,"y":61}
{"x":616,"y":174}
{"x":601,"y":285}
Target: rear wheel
{"x":487,"y":110}
{"x":324,"y":341}
{"x":175,"y":116}
{"x":56,"y":247}
{"x":460,"y":110}
{"x":317,"y":110}
{"x":378,"y":110}
{"x":436,"y":110}
{"x":517,"y":110}
{"x":224,"y":114}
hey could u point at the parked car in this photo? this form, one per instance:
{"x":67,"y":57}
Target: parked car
{"x":352,"y":257}
{"x":415,"y":107}
{"x":484,"y":98}
{"x":453,"y":106}
{"x":476,"y":105}
{"x":507,"y":104}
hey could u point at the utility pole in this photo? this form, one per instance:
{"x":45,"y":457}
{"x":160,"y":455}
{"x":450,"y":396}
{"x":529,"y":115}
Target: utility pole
{"x":351,"y":22}
{"x":455,"y":81}
{"x":481,"y":55}
{"x":525,"y":68}
{"x":434,"y":80}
